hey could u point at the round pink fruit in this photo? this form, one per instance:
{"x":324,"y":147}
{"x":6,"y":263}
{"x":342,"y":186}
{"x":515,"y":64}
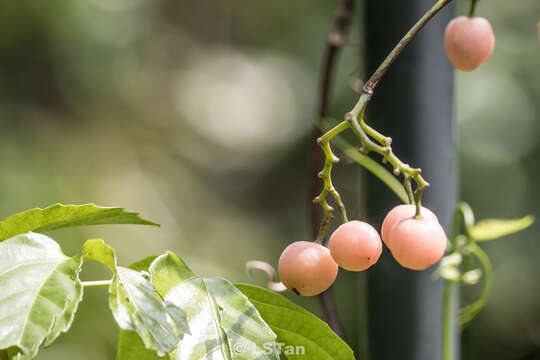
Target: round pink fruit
{"x":355,"y":245}
{"x":469,"y":42}
{"x":417,"y":244}
{"x":399,"y":213}
{"x":307,"y":268}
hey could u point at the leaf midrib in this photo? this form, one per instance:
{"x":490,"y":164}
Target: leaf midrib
{"x":35,"y":297}
{"x":29,"y":263}
{"x":216,"y":323}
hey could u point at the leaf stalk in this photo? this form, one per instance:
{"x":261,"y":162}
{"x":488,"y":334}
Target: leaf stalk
{"x":96,"y":283}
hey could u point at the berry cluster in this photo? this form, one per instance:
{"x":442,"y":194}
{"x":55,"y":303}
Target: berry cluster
{"x":416,"y":242}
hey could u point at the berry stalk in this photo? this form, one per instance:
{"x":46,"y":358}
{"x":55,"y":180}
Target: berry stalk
{"x":472,"y":8}
{"x":382,"y":145}
{"x":328,"y":186}
{"x":386,"y":152}
{"x":370,"y":85}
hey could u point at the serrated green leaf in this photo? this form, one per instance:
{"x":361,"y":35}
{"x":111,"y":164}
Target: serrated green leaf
{"x":60,"y":216}
{"x":490,"y":229}
{"x":296,"y":327}
{"x":136,"y":307}
{"x":223,"y":323}
{"x":39,"y":292}
{"x":98,"y":250}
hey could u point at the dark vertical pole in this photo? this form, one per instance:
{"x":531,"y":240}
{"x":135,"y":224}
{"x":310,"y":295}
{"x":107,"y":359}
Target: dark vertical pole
{"x":413,"y":105}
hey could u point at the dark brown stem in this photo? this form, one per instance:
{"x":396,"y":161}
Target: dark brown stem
{"x":326,"y":299}
{"x":336,"y":39}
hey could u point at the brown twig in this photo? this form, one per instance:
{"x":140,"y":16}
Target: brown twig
{"x":336,"y":38}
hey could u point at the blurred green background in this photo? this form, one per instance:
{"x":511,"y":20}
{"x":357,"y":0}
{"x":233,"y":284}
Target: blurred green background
{"x":198,"y":115}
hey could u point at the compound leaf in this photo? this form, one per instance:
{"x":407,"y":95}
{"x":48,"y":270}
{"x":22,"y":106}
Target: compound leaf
{"x":136,"y":307}
{"x":39,"y":293}
{"x":223,"y":323}
{"x":302,"y":334}
{"x":98,"y":250}
{"x":490,"y":229}
{"x":130,"y":346}
{"x":60,"y":216}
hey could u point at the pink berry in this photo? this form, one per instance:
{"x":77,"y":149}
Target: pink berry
{"x":469,"y":42}
{"x":399,"y":213}
{"x":307,"y":268}
{"x":355,"y":245}
{"x":417,"y":244}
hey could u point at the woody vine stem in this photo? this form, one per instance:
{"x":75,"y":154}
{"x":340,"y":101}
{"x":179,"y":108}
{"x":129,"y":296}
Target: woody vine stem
{"x":334,"y":42}
{"x":370,"y":139}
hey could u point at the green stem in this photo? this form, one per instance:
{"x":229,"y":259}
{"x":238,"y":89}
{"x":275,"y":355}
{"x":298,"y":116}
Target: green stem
{"x":463,"y":212}
{"x":408,"y":189}
{"x":363,"y":132}
{"x":381,"y":70}
{"x":448,"y":320}
{"x":418,"y":202}
{"x":470,"y":311}
{"x":368,"y":90}
{"x":330,"y":134}
{"x":472,"y":8}
{"x":386,"y":152}
{"x":96,"y":283}
{"x":380,"y":138}
{"x":328,"y":186}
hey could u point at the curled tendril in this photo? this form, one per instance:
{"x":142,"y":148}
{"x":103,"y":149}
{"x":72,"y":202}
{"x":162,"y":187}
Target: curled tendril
{"x":270,"y":272}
